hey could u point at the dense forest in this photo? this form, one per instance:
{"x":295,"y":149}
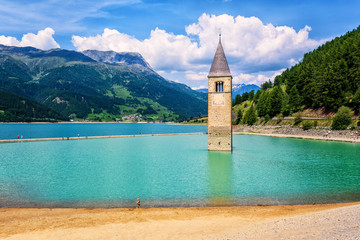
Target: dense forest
{"x":14,"y":108}
{"x":82,"y":88}
{"x":327,"y":78}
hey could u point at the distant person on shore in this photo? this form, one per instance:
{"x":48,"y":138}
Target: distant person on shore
{"x":138,"y":203}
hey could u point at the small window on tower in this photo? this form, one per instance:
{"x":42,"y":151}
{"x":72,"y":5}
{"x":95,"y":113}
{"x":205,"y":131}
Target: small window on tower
{"x":219,"y":86}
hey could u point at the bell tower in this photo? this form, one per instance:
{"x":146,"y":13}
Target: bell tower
{"x":219,"y":103}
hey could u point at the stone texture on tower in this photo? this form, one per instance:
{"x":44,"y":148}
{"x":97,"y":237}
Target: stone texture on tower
{"x":219,"y":103}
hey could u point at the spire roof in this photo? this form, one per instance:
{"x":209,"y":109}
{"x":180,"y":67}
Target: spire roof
{"x":219,"y":66}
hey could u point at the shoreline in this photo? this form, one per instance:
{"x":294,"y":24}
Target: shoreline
{"x":297,"y":133}
{"x":93,"y":137}
{"x":242,"y":222}
{"x":245,"y":130}
{"x":299,"y":137}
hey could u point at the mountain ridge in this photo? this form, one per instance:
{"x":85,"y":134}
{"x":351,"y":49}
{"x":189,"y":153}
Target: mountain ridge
{"x":237,"y":89}
{"x":108,"y":88}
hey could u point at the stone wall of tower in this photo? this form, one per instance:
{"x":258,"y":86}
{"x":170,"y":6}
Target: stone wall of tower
{"x":219,"y":115}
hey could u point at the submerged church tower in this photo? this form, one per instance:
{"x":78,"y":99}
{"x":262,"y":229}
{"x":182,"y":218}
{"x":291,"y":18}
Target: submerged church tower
{"x":219,"y":103}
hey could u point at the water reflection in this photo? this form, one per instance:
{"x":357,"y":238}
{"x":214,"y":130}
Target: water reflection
{"x":220,"y":178}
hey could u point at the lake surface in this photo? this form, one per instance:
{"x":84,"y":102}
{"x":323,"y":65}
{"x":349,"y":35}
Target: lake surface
{"x":177,"y":171}
{"x":58,"y":130}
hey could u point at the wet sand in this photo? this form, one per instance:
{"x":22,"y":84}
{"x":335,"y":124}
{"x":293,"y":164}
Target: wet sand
{"x":341,"y":221}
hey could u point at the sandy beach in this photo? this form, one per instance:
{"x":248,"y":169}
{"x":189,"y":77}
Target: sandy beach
{"x":328,"y":221}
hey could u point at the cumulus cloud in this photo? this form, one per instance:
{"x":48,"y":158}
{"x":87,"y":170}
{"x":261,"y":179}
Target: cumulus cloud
{"x":42,"y":40}
{"x":162,"y":50}
{"x":250,"y":44}
{"x":256,"y":79}
{"x":200,"y":87}
{"x":196,"y":76}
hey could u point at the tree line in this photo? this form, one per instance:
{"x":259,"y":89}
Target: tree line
{"x":327,"y":78}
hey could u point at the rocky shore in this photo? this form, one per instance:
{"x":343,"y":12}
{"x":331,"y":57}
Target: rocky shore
{"x":292,"y":132}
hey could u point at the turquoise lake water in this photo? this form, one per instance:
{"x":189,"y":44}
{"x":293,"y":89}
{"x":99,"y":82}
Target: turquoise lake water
{"x":177,"y":171}
{"x":56,"y":130}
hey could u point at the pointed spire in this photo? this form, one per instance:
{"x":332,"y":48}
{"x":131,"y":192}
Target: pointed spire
{"x":219,"y":66}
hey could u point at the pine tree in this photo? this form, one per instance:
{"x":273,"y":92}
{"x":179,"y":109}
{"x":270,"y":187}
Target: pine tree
{"x":250,"y":116}
{"x":257,"y":96}
{"x":239,"y":117}
{"x":238,"y":99}
{"x":263,"y":105}
{"x":245,"y":96}
{"x":251,"y":95}
{"x":276,"y":101}
{"x":294,"y":100}
{"x":356,"y":101}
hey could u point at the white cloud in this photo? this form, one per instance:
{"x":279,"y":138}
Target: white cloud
{"x":162,"y":50}
{"x":200,"y":87}
{"x":9,"y":41}
{"x":256,"y":79}
{"x":42,"y":40}
{"x":251,"y":43}
{"x":196,"y":76}
{"x":250,"y":46}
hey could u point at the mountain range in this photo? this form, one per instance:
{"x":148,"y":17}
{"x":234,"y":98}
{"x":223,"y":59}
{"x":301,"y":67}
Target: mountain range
{"x":237,"y":89}
{"x":94,"y":85}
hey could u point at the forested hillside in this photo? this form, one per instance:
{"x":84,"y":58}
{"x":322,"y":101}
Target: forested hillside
{"x":14,"y":108}
{"x":327,"y":78}
{"x":95,"y":85}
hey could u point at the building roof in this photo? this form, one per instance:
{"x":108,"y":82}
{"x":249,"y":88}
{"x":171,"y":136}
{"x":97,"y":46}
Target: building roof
{"x":219,"y":66}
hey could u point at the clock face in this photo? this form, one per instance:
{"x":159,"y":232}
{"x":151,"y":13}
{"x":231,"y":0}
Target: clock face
{"x":218,"y":99}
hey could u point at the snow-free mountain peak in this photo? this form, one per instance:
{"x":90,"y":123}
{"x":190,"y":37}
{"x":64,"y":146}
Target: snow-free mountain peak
{"x":122,"y":58}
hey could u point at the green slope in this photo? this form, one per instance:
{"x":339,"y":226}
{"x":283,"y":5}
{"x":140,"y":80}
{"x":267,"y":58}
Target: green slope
{"x":328,"y":76}
{"x":14,"y":108}
{"x":326,"y":79}
{"x":81,"y":88}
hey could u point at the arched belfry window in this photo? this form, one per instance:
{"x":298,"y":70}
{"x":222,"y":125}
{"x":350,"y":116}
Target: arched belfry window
{"x":219,"y":86}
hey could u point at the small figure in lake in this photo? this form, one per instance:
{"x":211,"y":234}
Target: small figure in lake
{"x":18,"y":136}
{"x":138,"y":203}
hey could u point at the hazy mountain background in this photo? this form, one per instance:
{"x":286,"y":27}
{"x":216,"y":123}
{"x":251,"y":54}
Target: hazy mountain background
{"x":237,"y":89}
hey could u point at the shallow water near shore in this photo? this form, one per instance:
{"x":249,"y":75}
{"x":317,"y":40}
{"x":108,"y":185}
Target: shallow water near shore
{"x":177,"y":171}
{"x":58,"y":130}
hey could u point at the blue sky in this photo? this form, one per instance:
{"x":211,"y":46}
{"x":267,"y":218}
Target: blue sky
{"x":178,"y":38}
